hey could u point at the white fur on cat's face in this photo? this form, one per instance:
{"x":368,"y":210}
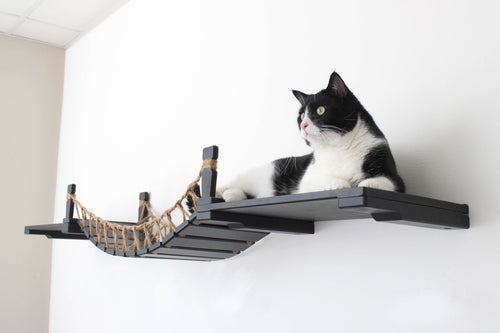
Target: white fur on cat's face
{"x":311,"y":132}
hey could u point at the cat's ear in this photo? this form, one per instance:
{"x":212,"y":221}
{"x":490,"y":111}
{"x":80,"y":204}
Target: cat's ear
{"x":337,"y":85}
{"x":300,"y":96}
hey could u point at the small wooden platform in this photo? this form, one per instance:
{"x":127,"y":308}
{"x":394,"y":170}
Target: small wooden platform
{"x":220,"y":230}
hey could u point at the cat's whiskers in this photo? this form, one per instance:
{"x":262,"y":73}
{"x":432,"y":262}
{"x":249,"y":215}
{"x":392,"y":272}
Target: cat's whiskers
{"x":338,"y":129}
{"x":347,"y":117}
{"x":326,"y":137}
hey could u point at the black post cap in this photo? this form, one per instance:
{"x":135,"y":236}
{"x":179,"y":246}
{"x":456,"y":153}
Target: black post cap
{"x":211,"y":153}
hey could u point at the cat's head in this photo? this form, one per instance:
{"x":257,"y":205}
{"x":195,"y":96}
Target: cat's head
{"x":328,"y":114}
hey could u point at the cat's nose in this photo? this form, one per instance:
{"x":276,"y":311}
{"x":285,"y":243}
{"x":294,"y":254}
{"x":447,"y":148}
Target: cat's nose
{"x":304,"y":125}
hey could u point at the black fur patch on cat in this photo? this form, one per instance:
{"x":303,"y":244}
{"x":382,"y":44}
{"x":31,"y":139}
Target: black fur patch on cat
{"x":288,"y":172}
{"x":379,"y":162}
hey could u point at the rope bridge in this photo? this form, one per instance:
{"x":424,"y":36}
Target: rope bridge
{"x":149,"y":230}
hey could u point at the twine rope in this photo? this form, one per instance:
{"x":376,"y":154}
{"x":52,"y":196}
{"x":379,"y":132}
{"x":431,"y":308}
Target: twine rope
{"x":154,"y":228}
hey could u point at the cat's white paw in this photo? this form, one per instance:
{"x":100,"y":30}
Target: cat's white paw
{"x":382,"y":183}
{"x":325,"y":184}
{"x":233,"y":194}
{"x":337,"y":183}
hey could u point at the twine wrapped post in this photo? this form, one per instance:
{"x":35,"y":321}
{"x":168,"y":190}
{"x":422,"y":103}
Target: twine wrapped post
{"x":209,"y":176}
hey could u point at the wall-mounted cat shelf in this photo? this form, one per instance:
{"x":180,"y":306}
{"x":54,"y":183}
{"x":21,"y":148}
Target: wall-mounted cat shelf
{"x":219,"y":230}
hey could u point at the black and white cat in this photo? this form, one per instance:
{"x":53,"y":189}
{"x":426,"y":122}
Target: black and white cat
{"x":349,"y":150}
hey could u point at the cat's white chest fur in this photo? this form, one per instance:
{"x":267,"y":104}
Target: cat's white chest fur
{"x":338,"y":163}
{"x":332,"y":169}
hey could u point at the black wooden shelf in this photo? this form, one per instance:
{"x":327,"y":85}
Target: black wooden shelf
{"x":220,"y":230}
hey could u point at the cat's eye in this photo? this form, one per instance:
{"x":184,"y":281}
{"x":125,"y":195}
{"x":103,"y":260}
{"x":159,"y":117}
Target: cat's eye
{"x":320,"y":110}
{"x":302,"y":115}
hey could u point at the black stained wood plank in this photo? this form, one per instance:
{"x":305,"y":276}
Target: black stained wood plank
{"x":167,"y":256}
{"x":153,"y":247}
{"x":417,"y":215}
{"x":256,"y":222}
{"x":214,"y":254}
{"x":71,"y":226}
{"x":207,"y":243}
{"x":329,"y":205}
{"x":203,"y":230}
{"x":65,"y":236}
{"x":414,"y":199}
{"x":168,"y":238}
{"x":320,"y":209}
{"x":263,"y":202}
{"x":38,"y":229}
{"x":44,"y":229}
{"x":330,"y":196}
{"x":52,"y":231}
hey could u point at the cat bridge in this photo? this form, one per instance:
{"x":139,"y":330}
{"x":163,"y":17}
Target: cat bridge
{"x":219,"y":230}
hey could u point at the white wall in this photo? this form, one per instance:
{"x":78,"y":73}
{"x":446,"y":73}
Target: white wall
{"x":158,"y":81}
{"x":31,"y":85}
